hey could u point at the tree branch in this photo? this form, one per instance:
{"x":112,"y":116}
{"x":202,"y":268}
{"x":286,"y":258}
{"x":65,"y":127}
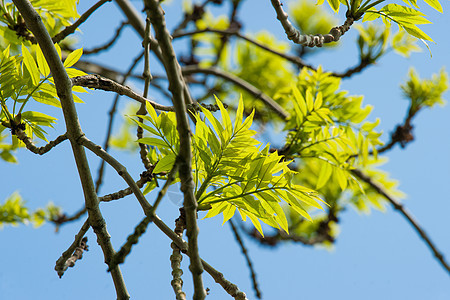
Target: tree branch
{"x":291,"y":58}
{"x":132,"y":239}
{"x":71,"y":29}
{"x":407,"y":215}
{"x":142,"y":109}
{"x":111,"y":114}
{"x":255,"y":92}
{"x":300,"y":63}
{"x":180,"y":95}
{"x":247,"y":258}
{"x":196,"y":14}
{"x":64,"y":91}
{"x":122,"y":171}
{"x":21,"y":135}
{"x":229,"y":287}
{"x":307,"y":39}
{"x":176,"y":258}
{"x":64,"y":261}
{"x":146,"y":176}
{"x":98,"y":82}
{"x":108,"y":44}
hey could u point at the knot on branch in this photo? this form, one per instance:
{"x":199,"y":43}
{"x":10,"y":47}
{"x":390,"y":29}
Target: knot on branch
{"x":21,"y":30}
{"x":403,"y":134}
{"x":339,"y":31}
{"x":17,"y":127}
{"x":147,"y":176}
{"x":197,"y":12}
{"x":180,"y":223}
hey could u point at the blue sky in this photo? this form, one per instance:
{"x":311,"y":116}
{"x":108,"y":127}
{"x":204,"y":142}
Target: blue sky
{"x":375,"y":256}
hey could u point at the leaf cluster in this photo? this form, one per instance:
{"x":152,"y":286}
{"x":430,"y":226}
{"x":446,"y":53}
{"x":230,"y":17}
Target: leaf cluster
{"x":55,"y":14}
{"x":14,"y":212}
{"x":27,"y":77}
{"x":425,"y":92}
{"x":231,"y":172}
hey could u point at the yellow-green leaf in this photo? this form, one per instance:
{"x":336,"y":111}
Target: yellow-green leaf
{"x":42,"y":63}
{"x":434,"y":4}
{"x":165,"y":164}
{"x":30,"y":65}
{"x":300,"y":100}
{"x":325,"y":172}
{"x":73,"y":57}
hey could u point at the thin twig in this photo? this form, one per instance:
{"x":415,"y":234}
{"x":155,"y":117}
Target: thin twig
{"x":146,"y":176}
{"x":63,"y":262}
{"x":132,"y":239}
{"x":108,"y":44}
{"x":233,"y":23}
{"x":291,"y":58}
{"x":255,"y":92}
{"x":409,"y":217}
{"x":196,"y":14}
{"x":74,"y":132}
{"x":71,"y":29}
{"x":21,"y":135}
{"x":63,"y":219}
{"x":247,"y":258}
{"x":142,"y":109}
{"x":111,"y":114}
{"x":178,"y":88}
{"x":300,"y":63}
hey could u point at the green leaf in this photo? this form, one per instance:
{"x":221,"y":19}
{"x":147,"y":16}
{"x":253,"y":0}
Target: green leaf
{"x":239,"y":114}
{"x":73,"y":57}
{"x":228,"y":213}
{"x":8,"y":157}
{"x":165,"y":164}
{"x":151,"y":111}
{"x":434,"y":4}
{"x":319,"y":101}
{"x":154,"y":142}
{"x":215,"y":123}
{"x":309,"y":100}
{"x":30,"y":65}
{"x":38,"y":118}
{"x":299,"y":100}
{"x":46,"y":98}
{"x":74,"y":72}
{"x":325,"y":173}
{"x":415,"y":31}
{"x":58,"y":49}
{"x":341,"y":178}
{"x":225,"y":120}
{"x":145,"y":126}
{"x":42,"y":63}
{"x":334,"y":4}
